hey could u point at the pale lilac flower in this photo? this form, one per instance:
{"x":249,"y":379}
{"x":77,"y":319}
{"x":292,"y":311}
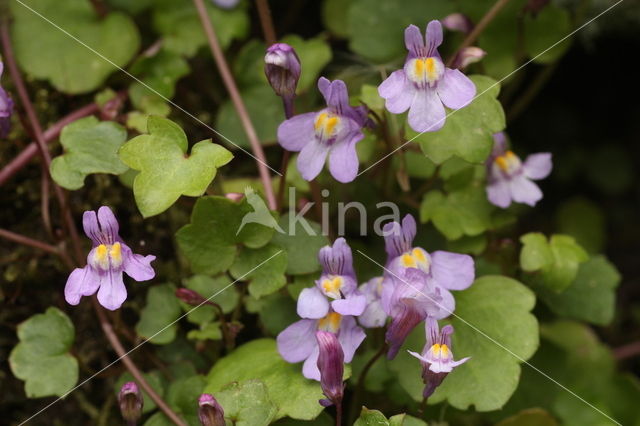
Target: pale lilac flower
{"x":373,"y":315}
{"x":333,"y":131}
{"x":509,"y":179}
{"x":458,"y":22}
{"x":337,"y":282}
{"x":106,"y":262}
{"x":425,"y":84}
{"x":282,"y":68}
{"x":331,"y":366}
{"x":130,"y":401}
{"x":6,"y":108}
{"x":467,"y":56}
{"x":210,"y":412}
{"x":437,"y":356}
{"x":298,"y":342}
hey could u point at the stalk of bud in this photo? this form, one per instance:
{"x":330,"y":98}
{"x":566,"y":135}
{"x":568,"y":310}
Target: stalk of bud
{"x":209,"y":411}
{"x":130,"y":401}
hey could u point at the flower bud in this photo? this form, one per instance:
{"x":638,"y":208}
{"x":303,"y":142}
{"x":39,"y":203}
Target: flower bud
{"x":331,"y":366}
{"x":189,"y":296}
{"x":467,"y":56}
{"x":458,"y":22}
{"x":210,"y":412}
{"x":6,"y":109}
{"x":130,"y":400}
{"x":282,"y":68}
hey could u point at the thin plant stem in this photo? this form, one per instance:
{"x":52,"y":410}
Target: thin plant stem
{"x":131,"y":366}
{"x":627,"y":351}
{"x":357,"y":395}
{"x":266,"y":22}
{"x":479,"y":28}
{"x":287,"y":102}
{"x":339,"y":414}
{"x":21,"y":239}
{"x":238,"y":103}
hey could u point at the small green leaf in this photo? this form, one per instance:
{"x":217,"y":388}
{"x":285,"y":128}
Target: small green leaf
{"x":207,"y":331}
{"x":290,"y":392}
{"x":210,"y":241}
{"x":91,"y":146}
{"x":276,"y":311}
{"x":161,"y":310}
{"x":557,"y":260}
{"x":302,"y":244}
{"x":467,"y":132}
{"x":166,"y":171}
{"x":463,"y":212}
{"x":590,"y":297}
{"x":371,"y":418}
{"x":583,"y":220}
{"x":266,"y":278}
{"x":247,"y":403}
{"x":530,"y":417}
{"x":179,"y":24}
{"x":543,"y":30}
{"x":335,"y":16}
{"x":45,"y":52}
{"x":41,"y":359}
{"x":224,"y":295}
{"x":493,"y":321}
{"x":183,"y":394}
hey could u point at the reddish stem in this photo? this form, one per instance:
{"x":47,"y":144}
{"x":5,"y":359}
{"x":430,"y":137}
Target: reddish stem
{"x":266,"y":22}
{"x":21,"y":239}
{"x":627,"y":351}
{"x":238,"y":103}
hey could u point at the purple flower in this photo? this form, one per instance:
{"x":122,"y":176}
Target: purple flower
{"x":337,"y":282}
{"x":130,"y":401}
{"x":417,"y":284}
{"x":210,"y":412}
{"x":106,"y":261}
{"x":437,"y":356}
{"x":509,"y":179}
{"x":333,"y":131}
{"x":282,"y":68}
{"x":373,"y":315}
{"x":331,"y":366}
{"x":298,"y":342}
{"x":425,"y":84}
{"x":6,"y":108}
{"x":467,"y":56}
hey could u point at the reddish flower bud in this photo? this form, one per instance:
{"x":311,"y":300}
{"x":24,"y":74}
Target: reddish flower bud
{"x":189,"y":296}
{"x":282,"y":68}
{"x":210,"y":412}
{"x":458,"y":22}
{"x":331,"y":366}
{"x":131,"y":401}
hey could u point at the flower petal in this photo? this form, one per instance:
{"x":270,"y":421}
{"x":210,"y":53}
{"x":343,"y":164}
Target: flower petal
{"x":312,"y":303}
{"x":524,"y":191}
{"x":426,"y":113}
{"x":452,"y":271}
{"x":455,"y":89}
{"x":350,"y":337}
{"x":338,"y":98}
{"x":354,"y":304}
{"x":445,"y":306}
{"x":343,"y":159}
{"x":324,"y":86}
{"x":310,"y":366}
{"x":433,"y":37}
{"x":537,"y":166}
{"x":337,"y":259}
{"x":108,"y":224}
{"x":499,"y":193}
{"x":112,"y":292}
{"x":413,"y":40}
{"x":311,"y":159}
{"x":296,"y":342}
{"x":90,"y":225}
{"x":296,"y":132}
{"x":82,"y":282}
{"x":137,"y":266}
{"x":373,"y":316}
{"x":397,"y":91}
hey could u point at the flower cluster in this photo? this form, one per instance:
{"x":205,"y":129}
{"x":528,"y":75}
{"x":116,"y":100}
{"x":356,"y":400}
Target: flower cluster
{"x":415,"y":287}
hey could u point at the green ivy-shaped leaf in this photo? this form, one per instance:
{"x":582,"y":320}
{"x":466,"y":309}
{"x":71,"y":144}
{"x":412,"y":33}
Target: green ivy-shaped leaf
{"x":302,"y":246}
{"x":166,"y":170}
{"x":467,"y":132}
{"x":590,"y":297}
{"x":556,"y":260}
{"x":161,"y":310}
{"x":182,"y":396}
{"x":46,"y":52}
{"x":225,"y":295}
{"x":544,"y":30}
{"x":288,"y":390}
{"x":179,"y":24}
{"x":459,"y":213}
{"x":210,"y":241}
{"x":247,"y":403}
{"x":41,"y":358}
{"x":492,"y":321}
{"x":266,"y":279}
{"x":91,"y":146}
